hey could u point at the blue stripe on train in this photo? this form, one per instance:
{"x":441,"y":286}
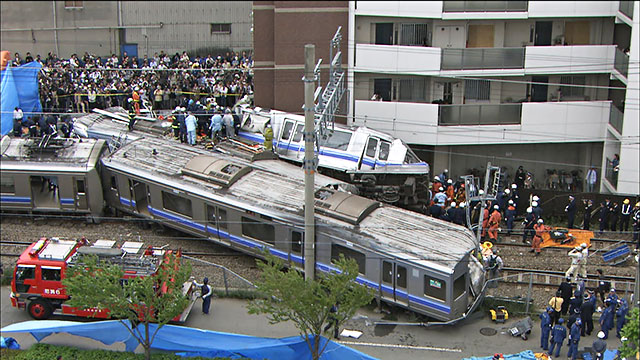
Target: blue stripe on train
{"x":67,"y":201}
{"x":284,"y":255}
{"x":15,"y":199}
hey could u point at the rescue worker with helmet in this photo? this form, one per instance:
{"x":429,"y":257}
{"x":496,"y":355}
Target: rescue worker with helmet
{"x":606,"y":320}
{"x":510,"y":215}
{"x":574,"y":339}
{"x":136,"y":101}
{"x":625,"y":213}
{"x":494,"y":222}
{"x":268,"y":137}
{"x":558,"y":334}
{"x":528,"y":223}
{"x":545,"y":328}
{"x":539,"y":229}
{"x":599,"y":347}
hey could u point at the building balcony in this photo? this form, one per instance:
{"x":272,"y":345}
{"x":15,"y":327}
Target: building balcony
{"x":616,"y":119}
{"x":611,"y":173}
{"x":626,"y":7}
{"x":485,"y":6}
{"x":621,"y":63}
{"x":530,"y":60}
{"x":476,"y":124}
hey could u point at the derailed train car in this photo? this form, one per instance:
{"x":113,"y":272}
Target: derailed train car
{"x":411,"y":260}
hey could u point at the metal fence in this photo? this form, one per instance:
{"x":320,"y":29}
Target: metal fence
{"x":484,"y":6}
{"x":480,"y":114}
{"x":482,"y":58}
{"x":611,"y":173}
{"x":221,"y":278}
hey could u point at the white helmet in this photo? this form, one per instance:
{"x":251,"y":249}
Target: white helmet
{"x":540,"y":221}
{"x":534,"y":204}
{"x":462,"y":204}
{"x":529,"y":209}
{"x":514,"y":186}
{"x":535,"y":198}
{"x":496,"y":207}
{"x":510,"y":202}
{"x":481,"y":192}
{"x":507,"y":191}
{"x":453,"y":204}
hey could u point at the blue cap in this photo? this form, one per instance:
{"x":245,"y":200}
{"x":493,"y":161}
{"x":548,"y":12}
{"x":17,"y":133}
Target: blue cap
{"x":560,"y":321}
{"x":205,"y":280}
{"x":578,"y":321}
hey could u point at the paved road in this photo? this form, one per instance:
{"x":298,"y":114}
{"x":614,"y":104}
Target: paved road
{"x":400,"y":342}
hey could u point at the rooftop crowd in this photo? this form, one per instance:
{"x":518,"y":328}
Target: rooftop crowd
{"x":79,"y":84}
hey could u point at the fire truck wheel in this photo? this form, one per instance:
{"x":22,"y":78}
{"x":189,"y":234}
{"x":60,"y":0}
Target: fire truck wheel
{"x":40,"y":309}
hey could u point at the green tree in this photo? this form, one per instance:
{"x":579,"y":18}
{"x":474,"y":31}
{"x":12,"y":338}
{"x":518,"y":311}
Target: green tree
{"x":141,"y":300}
{"x":630,"y":346}
{"x":289,"y":297}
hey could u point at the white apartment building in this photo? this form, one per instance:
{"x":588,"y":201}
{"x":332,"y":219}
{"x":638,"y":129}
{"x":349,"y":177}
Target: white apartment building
{"x":546,"y":85}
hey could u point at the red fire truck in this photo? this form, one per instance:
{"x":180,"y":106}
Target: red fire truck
{"x":37,"y":279}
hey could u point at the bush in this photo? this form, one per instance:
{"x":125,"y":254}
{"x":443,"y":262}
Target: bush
{"x":51,"y":352}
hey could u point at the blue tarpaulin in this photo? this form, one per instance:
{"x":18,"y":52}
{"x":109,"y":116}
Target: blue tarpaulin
{"x":525,"y":355}
{"x":187,"y":341}
{"x":19,"y":89}
{"x":608,"y":355}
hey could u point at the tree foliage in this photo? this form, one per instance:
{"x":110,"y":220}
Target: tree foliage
{"x":630,"y":330}
{"x":289,"y":297}
{"x":141,"y":300}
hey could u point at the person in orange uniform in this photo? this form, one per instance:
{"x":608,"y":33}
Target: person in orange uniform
{"x":540,"y":229}
{"x":494,"y":221}
{"x":450,"y":190}
{"x":485,"y":220}
{"x":136,"y":101}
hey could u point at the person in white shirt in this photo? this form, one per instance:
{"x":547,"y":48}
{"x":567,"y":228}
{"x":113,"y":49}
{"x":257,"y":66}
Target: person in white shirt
{"x":591,"y":179}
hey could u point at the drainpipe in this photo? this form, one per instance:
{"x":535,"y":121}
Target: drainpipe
{"x":55,"y":27}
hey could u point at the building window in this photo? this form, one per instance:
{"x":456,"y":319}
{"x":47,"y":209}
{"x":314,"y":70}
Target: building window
{"x":258,"y":230}
{"x":572,"y":92}
{"x":177,"y":204}
{"x":413,"y":90}
{"x":414,"y":34}
{"x":73,"y":4}
{"x":219,"y":28}
{"x":477,"y":89}
{"x":349,"y":253}
{"x":435,"y":288}
{"x":7,"y":185}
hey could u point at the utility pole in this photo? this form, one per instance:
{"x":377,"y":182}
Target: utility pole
{"x":309,"y":162}
{"x":491,"y":185}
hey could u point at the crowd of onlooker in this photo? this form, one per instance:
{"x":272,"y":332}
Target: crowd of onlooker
{"x":79,"y":84}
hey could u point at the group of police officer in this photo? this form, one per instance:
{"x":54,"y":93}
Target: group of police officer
{"x":580,"y":322}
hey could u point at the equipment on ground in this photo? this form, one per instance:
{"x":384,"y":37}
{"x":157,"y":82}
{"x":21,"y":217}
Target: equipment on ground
{"x":499,"y":315}
{"x":522,"y":328}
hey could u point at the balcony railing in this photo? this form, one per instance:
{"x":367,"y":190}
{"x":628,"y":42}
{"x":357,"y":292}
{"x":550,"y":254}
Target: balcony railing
{"x":611,"y":173}
{"x":485,"y":6}
{"x":616,"y":118}
{"x":621,"y":62}
{"x":626,"y":7}
{"x":480,"y":114}
{"x":485,"y":58}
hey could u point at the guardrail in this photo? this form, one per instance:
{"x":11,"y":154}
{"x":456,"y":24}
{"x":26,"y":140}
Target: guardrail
{"x":480,"y":114}
{"x":626,"y":7}
{"x":611,"y":173}
{"x":621,"y":62}
{"x":482,"y":58}
{"x":616,"y":118}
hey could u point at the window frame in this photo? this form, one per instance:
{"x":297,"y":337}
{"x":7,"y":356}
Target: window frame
{"x":258,"y":230}
{"x":167,"y":195}
{"x":456,"y":286}
{"x":220,"y":28}
{"x":7,"y":187}
{"x":427,"y":285}
{"x":73,"y":4}
{"x":474,"y":91}
{"x":361,"y":258}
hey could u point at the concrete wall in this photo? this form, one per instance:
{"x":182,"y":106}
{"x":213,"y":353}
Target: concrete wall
{"x":73,"y":35}
{"x":187,"y":26}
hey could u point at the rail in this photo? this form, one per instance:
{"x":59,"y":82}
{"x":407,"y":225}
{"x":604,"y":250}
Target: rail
{"x":616,"y":118}
{"x":482,"y":58}
{"x":621,"y":62}
{"x":626,"y":7}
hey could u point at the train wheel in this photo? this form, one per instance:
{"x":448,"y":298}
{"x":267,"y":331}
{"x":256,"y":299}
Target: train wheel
{"x":40,"y":309}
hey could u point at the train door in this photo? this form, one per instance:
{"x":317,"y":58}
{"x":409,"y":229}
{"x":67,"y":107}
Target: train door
{"x":213,"y":214}
{"x":394,"y":282}
{"x":368,"y":160}
{"x":44,"y":192}
{"x":284,"y":140}
{"x":297,"y":247}
{"x":295,"y":145}
{"x":80,"y":193}
{"x":139,"y":196}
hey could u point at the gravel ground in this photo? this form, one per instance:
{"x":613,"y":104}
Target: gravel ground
{"x":17,"y":228}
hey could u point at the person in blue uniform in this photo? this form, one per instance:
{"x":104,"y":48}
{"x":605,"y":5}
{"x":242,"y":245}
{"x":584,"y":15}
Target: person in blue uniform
{"x":510,"y":215}
{"x":586,"y":313}
{"x":205,"y":293}
{"x":612,"y":299}
{"x":606,"y":320}
{"x":558,"y":334}
{"x":574,"y":339}
{"x":599,"y":347}
{"x":545,"y":328}
{"x":575,"y":302}
{"x":621,"y":313}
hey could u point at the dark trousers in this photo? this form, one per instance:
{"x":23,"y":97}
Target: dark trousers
{"x":206,"y":303}
{"x":553,"y":346}
{"x":544,"y":338}
{"x":587,"y":324}
{"x":573,"y":350}
{"x":571,"y":220}
{"x":624,"y":223}
{"x":334,"y":323}
{"x":554,"y":317}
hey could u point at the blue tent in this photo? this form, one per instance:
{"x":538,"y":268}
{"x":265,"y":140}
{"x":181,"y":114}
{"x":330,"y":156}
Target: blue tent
{"x":19,"y":89}
{"x":189,"y":341}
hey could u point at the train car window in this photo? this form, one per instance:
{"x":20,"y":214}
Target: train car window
{"x":401,"y":276}
{"x":7,"y":185}
{"x":385,"y":146}
{"x":114,"y":183}
{"x":80,"y":186}
{"x":372,"y":145}
{"x":177,"y":204}
{"x":411,"y":158}
{"x":297,"y":136}
{"x":296,"y":242}
{"x":286,"y":131}
{"x":25,"y":272}
{"x":258,"y":230}
{"x":50,"y":273}
{"x":387,"y":272}
{"x":222,"y":218}
{"x":349,"y":253}
{"x":335,"y":139}
{"x":435,"y":288}
{"x":459,"y":286}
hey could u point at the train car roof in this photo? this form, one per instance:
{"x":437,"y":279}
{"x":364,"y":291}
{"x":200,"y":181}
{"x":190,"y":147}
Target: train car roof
{"x":53,"y":154}
{"x":113,"y":123}
{"x":275,"y":188}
